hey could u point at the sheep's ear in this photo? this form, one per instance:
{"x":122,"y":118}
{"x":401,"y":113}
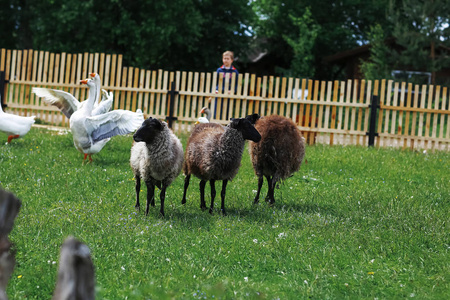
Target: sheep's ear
{"x":234,"y":122}
{"x":159,"y":124}
{"x":253,"y":118}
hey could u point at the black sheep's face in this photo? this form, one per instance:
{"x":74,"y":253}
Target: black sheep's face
{"x":149,"y":129}
{"x":247,"y":129}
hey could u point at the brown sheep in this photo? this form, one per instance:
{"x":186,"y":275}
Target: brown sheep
{"x":279,"y":153}
{"x":214,"y":152}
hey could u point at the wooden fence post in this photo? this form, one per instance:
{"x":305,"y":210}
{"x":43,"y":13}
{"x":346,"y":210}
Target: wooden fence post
{"x":9,"y":208}
{"x":172,"y":94}
{"x":76,"y":278}
{"x":374,"y":106}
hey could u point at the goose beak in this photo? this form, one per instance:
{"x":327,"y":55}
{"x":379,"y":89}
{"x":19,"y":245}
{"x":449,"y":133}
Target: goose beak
{"x":84,"y":81}
{"x":92,"y":74}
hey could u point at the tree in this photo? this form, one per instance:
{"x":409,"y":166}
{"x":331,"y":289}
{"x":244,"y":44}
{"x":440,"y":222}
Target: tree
{"x":420,"y":27}
{"x":379,"y":65}
{"x":343,"y":25}
{"x":173,"y":35}
{"x":302,"y":63}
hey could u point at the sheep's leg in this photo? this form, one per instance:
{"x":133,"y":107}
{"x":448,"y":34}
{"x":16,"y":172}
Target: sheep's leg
{"x":270,"y":194}
{"x":260,"y":183}
{"x":150,"y":195}
{"x":222,"y":194}
{"x":212,"y":183}
{"x":138,"y":189}
{"x":202,"y":194}
{"x":186,"y":185}
{"x":162,"y":197}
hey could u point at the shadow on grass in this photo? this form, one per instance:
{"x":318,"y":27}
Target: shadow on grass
{"x":259,"y":213}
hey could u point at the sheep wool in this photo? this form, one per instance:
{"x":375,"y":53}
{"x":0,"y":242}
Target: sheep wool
{"x":214,"y":152}
{"x":156,"y":158}
{"x":279,"y":154}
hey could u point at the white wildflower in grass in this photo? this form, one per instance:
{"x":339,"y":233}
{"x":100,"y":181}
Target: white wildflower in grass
{"x":123,"y":268}
{"x":282,"y":235}
{"x":305,"y":281}
{"x":255,"y":241}
{"x":246,"y":279}
{"x":168,"y":259}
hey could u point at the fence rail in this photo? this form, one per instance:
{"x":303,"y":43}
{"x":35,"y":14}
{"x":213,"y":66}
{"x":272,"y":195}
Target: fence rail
{"x":332,"y":112}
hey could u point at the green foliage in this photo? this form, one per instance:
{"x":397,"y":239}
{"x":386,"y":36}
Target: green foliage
{"x":421,"y":30}
{"x":379,"y":64}
{"x":342,"y":26}
{"x":174,"y":35}
{"x":303,"y":61}
{"x":352,"y":223}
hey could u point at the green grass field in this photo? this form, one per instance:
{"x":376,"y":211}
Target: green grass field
{"x":353,"y":223}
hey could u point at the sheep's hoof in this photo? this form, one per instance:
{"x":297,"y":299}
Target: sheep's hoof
{"x":161,"y":214}
{"x":183,"y":202}
{"x":211,"y":211}
{"x":256,"y":201}
{"x":223,"y":212}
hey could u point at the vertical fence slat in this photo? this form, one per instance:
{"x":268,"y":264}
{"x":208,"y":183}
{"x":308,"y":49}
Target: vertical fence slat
{"x":153,"y":97}
{"x":428,"y":121}
{"x":283,"y":96}
{"x":141,"y":86}
{"x":182,"y":98}
{"x":435,"y":115}
{"x":333,"y":110}
{"x":354,"y":99}
{"x":407,"y":127}
{"x":195,"y":108}
{"x":443,"y":117}
{"x":360,"y":112}
{"x":145,"y":108}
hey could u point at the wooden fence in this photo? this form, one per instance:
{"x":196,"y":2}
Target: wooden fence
{"x":332,"y":112}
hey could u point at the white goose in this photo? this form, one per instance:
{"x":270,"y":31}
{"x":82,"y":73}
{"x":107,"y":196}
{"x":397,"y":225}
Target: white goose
{"x":104,"y":104}
{"x":91,"y":128}
{"x":14,"y":126}
{"x":206,"y":119}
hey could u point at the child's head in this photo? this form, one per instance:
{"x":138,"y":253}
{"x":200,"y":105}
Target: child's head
{"x":228,"y":58}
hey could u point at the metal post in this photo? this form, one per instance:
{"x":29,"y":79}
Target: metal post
{"x":374,"y":106}
{"x":172,"y":94}
{"x":2,"y":89}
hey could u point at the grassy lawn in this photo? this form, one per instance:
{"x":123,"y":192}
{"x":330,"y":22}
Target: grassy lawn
{"x":353,"y":223}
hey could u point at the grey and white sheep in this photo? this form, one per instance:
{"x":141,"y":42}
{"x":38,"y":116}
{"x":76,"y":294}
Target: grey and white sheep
{"x":214,"y":152}
{"x":279,"y":153}
{"x":157,"y":158}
